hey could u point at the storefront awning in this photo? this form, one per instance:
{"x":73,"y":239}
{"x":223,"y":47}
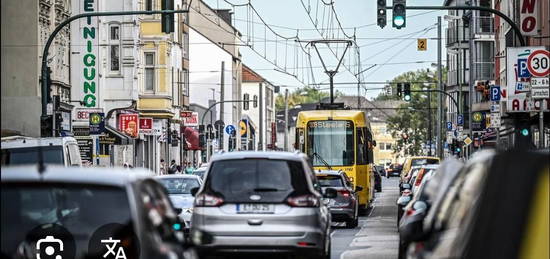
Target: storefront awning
{"x":124,"y":140}
{"x":191,"y":138}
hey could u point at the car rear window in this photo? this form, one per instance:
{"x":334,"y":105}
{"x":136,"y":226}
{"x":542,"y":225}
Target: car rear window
{"x":330,"y":181}
{"x":21,"y":156}
{"x":179,"y":185}
{"x":81,"y":209}
{"x":273,"y":180}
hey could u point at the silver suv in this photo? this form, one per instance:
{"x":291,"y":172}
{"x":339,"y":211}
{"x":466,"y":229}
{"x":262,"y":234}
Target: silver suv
{"x":263,"y":202}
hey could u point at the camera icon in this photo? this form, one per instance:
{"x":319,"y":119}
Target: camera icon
{"x":49,"y":247}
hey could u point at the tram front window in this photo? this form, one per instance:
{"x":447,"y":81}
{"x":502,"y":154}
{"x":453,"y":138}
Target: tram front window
{"x":331,"y":141}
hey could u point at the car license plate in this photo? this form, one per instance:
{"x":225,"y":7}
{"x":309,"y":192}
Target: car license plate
{"x":256,"y":208}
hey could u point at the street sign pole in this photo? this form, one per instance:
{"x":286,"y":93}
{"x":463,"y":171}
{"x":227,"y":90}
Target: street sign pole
{"x":439,"y":96}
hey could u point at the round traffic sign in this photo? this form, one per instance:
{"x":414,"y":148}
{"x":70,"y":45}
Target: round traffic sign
{"x":538,"y":63}
{"x":230,"y":129}
{"x":243,"y":130}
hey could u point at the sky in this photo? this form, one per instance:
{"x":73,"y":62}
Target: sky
{"x":384,"y":53}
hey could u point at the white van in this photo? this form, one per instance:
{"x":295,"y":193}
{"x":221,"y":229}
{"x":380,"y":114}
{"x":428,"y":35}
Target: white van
{"x":18,"y":150}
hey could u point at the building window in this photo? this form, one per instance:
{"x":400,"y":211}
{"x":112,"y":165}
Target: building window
{"x":148,"y":5}
{"x":149,"y":71}
{"x":185,"y":79}
{"x":114,"y":48}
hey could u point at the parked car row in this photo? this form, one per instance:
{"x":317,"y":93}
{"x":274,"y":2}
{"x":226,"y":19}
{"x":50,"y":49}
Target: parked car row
{"x":490,"y":207}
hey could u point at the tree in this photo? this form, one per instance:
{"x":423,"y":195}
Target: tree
{"x":411,"y":123}
{"x":306,"y":94}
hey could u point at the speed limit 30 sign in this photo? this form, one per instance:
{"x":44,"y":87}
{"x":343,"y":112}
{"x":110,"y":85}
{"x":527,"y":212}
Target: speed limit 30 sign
{"x":538,"y":63}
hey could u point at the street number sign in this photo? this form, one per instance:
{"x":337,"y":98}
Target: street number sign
{"x":460,"y":119}
{"x":449,"y":126}
{"x":422,"y":44}
{"x":538,"y":63}
{"x":495,"y":93}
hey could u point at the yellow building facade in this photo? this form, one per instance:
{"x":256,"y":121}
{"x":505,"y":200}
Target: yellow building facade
{"x":383,"y":152}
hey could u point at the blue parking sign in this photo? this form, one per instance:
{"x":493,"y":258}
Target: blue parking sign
{"x":449,"y":126}
{"x":460,"y":119}
{"x":495,"y":93}
{"x":523,"y":71}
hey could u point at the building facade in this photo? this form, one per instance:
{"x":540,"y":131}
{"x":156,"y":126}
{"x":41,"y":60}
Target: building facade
{"x":26,"y":26}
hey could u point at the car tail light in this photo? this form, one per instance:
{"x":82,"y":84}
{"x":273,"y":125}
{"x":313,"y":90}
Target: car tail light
{"x":344,"y":193}
{"x":303,"y":201}
{"x":409,"y":212}
{"x":207,"y":200}
{"x":305,"y":244}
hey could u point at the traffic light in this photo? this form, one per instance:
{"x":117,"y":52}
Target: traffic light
{"x":524,"y":133}
{"x":48,"y":76}
{"x":46,"y":126}
{"x":407,"y":92}
{"x":167,"y":20}
{"x":381,"y":12}
{"x":202,"y":137}
{"x":255,"y":101}
{"x":399,"y":90}
{"x":246,"y":102}
{"x":399,"y":14}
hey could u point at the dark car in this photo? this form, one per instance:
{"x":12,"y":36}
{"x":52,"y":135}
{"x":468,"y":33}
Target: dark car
{"x":345,"y":206}
{"x":77,"y":212}
{"x":394,"y":170}
{"x":489,"y":211}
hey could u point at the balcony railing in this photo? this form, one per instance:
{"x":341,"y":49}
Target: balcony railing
{"x":456,"y":34}
{"x":484,"y":70}
{"x":483,"y":25}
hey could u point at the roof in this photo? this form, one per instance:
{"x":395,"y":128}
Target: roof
{"x":172,"y":176}
{"x":328,"y":172}
{"x":250,"y":76}
{"x":258,"y":154}
{"x":21,"y":142}
{"x":119,"y":177}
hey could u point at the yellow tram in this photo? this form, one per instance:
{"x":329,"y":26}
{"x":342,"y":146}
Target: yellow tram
{"x":341,"y":139}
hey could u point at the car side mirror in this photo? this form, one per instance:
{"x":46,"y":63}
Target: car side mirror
{"x":178,"y":210}
{"x":406,"y":186}
{"x":358,"y":188}
{"x":413,"y":230}
{"x":330,"y":193}
{"x":194,"y":191}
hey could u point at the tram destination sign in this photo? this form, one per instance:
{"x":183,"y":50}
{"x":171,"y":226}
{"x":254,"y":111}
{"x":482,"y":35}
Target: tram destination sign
{"x":330,"y":124}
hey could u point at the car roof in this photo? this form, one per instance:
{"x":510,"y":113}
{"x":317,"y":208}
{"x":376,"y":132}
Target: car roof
{"x":328,"y":172}
{"x":423,"y":157}
{"x":432,"y":166}
{"x":255,"y":154}
{"x":119,"y":177}
{"x":23,"y":142}
{"x":172,"y":176}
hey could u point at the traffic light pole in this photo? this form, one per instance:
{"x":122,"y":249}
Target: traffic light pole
{"x":439,"y":91}
{"x":45,"y":83}
{"x":478,"y":8}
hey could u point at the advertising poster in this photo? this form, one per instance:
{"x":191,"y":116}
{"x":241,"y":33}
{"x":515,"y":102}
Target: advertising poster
{"x":128,"y":124}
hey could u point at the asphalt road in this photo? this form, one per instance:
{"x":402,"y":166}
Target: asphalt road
{"x":376,"y":237}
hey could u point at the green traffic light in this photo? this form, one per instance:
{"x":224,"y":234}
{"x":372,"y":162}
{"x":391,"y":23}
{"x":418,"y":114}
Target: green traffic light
{"x":458,"y":150}
{"x":176,"y":226}
{"x":398,"y":21}
{"x":407,"y":98}
{"x":525,"y":132}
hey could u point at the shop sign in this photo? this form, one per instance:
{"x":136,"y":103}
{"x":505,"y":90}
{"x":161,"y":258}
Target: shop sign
{"x":97,"y":123}
{"x":83,"y":114}
{"x":528,"y":16}
{"x":84,"y":54}
{"x":518,"y":77}
{"x":190,"y":119}
{"x":86,"y":146}
{"x":128,"y":124}
{"x":146,"y":126}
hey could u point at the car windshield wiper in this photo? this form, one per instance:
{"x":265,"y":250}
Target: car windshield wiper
{"x":266,"y":190}
{"x":322,"y":160}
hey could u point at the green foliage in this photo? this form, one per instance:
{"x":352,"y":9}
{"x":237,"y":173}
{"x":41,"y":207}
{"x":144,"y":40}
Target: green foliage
{"x":305,"y":94}
{"x":412,"y":117}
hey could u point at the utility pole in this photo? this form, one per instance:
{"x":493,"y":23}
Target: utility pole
{"x":429,"y":124}
{"x":439,"y":97}
{"x":286,"y":120}
{"x":222,"y":91}
{"x":261,"y":107}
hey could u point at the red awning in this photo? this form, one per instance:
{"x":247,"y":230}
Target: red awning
{"x":191,"y":138}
